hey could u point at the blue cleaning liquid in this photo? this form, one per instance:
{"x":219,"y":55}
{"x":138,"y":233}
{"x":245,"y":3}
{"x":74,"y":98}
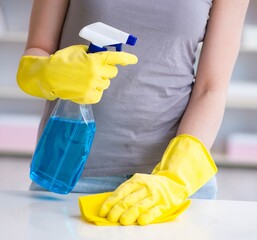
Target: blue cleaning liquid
{"x":61,"y":154}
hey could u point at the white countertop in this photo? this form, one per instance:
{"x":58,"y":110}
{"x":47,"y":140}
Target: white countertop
{"x":43,"y":215}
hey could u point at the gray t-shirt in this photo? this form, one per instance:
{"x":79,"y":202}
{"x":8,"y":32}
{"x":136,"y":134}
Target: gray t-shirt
{"x":140,"y":112}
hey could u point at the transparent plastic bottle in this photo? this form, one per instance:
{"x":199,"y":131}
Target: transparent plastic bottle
{"x":63,"y":148}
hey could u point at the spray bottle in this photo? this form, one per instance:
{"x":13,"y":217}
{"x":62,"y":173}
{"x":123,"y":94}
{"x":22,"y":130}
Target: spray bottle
{"x":64,"y":146}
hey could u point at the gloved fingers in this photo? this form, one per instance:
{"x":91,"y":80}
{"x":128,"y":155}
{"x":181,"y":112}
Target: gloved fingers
{"x":150,"y":215}
{"x":121,"y":58}
{"x":132,"y":214}
{"x":68,"y":93}
{"x":163,"y":211}
{"x":124,"y":204}
{"x":121,"y":192}
{"x":103,"y":84}
{"x":109,"y":71}
{"x":92,"y":98}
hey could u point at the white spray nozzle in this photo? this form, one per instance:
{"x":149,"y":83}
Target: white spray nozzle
{"x":101,"y":35}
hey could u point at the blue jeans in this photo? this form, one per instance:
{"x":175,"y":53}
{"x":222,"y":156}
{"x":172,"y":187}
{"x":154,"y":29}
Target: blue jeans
{"x":91,"y":185}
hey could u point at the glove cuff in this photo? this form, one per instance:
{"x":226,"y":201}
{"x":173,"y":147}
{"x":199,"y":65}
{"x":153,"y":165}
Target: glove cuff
{"x":188,"y":162}
{"x":31,"y":77}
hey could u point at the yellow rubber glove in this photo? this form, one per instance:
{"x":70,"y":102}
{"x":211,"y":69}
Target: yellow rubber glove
{"x":71,"y":74}
{"x":185,"y":167}
{"x":90,"y":205}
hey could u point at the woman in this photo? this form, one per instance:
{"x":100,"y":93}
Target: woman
{"x":158,"y":101}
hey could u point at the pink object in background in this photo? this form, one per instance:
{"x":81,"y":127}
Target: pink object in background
{"x":242,"y":147}
{"x":18,"y":134}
